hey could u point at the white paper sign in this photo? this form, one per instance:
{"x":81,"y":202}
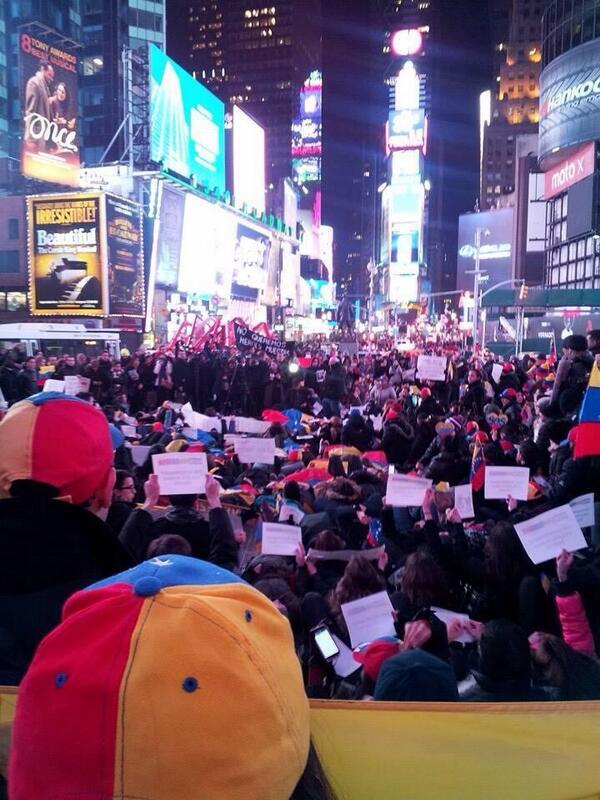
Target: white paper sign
{"x":129,"y":431}
{"x":432,"y":368}
{"x":255,"y":451}
{"x":317,"y":408}
{"x":369,"y":618}
{"x":180,"y":473}
{"x":231,"y":439}
{"x":75,"y":384}
{"x":583,"y":508}
{"x":497,"y":372}
{"x":344,"y":663}
{"x":52,"y":385}
{"x":463,"y":500}
{"x":249,"y":425}
{"x":139,"y":453}
{"x":199,"y":422}
{"x":545,"y":536}
{"x":446,"y":616}
{"x":503,"y":481}
{"x":279,"y":539}
{"x":405,"y":491}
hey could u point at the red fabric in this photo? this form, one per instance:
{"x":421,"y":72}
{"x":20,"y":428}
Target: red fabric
{"x":378,"y":456}
{"x":374,"y":656}
{"x":308,"y":474}
{"x":574,"y":623}
{"x":272,"y":415}
{"x":84,"y":710}
{"x":587,"y":441}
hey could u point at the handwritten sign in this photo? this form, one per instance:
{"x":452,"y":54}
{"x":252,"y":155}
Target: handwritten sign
{"x":463,"y":500}
{"x":180,"y":473}
{"x":52,"y":385}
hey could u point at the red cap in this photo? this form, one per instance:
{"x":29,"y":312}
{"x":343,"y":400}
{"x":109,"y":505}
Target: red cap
{"x":374,"y":655}
{"x":508,"y":368}
{"x":506,"y":446}
{"x":471,"y":426}
{"x":511,"y":393}
{"x":425,"y":392}
{"x":481,"y":437}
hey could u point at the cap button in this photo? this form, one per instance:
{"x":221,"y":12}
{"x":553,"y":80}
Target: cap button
{"x":147,"y":586}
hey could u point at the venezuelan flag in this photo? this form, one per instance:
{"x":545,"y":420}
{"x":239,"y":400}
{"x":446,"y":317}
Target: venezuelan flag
{"x":588,"y":431}
{"x":478,"y":468}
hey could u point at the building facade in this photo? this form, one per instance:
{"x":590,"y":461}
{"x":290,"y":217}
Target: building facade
{"x":515,"y":101}
{"x":258,"y":57}
{"x":568,"y":143}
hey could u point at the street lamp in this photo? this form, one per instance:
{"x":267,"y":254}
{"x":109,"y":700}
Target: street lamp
{"x":477,"y":273}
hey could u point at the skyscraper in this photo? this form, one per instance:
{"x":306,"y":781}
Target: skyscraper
{"x":256,"y":56}
{"x":108,"y":28}
{"x":515,"y":104}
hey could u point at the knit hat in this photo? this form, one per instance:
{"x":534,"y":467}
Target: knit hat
{"x":58,"y":440}
{"x":172,"y":681}
{"x":509,"y":394}
{"x":373,"y":656}
{"x":416,"y":676}
{"x":508,"y":367}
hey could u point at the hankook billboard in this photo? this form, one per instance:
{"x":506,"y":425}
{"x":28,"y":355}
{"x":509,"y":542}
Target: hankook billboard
{"x":570,"y":100}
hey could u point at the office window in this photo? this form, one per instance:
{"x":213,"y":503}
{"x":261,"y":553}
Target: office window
{"x":13,"y":228}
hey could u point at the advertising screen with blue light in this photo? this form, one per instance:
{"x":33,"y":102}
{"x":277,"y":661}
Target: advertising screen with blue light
{"x":187,"y":126}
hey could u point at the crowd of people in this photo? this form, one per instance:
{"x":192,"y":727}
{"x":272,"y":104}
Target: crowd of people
{"x":76,"y":513}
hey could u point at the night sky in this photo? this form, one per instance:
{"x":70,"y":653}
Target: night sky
{"x":355,"y":103}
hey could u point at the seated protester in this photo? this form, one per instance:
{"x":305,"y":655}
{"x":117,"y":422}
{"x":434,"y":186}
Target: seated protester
{"x":222,"y":663}
{"x":448,"y":466}
{"x":457,"y":442}
{"x":360,"y":579}
{"x":211,"y":541}
{"x":416,"y":677}
{"x":398,"y":436}
{"x":122,"y":500}
{"x":504,"y":673}
{"x":56,"y":478}
{"x":423,"y":584}
{"x":291,"y":509}
{"x":570,"y":476}
{"x":357,"y":432}
{"x":564,"y":672}
{"x":577,"y":595}
{"x":429,"y":405}
{"x":331,"y":432}
{"x":321,"y":576}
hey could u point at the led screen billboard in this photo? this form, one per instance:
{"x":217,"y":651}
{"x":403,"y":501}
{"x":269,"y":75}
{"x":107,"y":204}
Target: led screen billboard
{"x":50,"y":133}
{"x":187,"y":124}
{"x":307,"y":139}
{"x":406,"y":130}
{"x":250,"y":261}
{"x":570,"y":100}
{"x":66,"y":269}
{"x":248,"y":161}
{"x":207,"y":249}
{"x":167,"y":237}
{"x":495,"y":254}
{"x":124,"y":254}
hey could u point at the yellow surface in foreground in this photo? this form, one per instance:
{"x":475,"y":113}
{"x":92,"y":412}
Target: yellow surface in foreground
{"x":451,"y":751}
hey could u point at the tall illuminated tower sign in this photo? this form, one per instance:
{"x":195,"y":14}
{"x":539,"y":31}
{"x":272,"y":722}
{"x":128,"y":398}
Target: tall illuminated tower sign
{"x":403,"y":200}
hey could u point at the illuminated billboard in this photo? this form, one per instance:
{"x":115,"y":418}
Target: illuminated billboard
{"x":495,"y":253}
{"x":404,"y":163}
{"x":167,"y":237}
{"x":207,"y":249}
{"x":250,"y":261}
{"x":124,"y":254}
{"x":50,"y":134}
{"x":187,"y":124}
{"x":570,"y":100}
{"x":66,"y":255}
{"x":248,"y":161}
{"x":406,"y":130}
{"x":307,"y":131}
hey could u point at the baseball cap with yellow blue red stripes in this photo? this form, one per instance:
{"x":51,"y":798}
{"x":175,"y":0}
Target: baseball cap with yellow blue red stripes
{"x":175,"y":680}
